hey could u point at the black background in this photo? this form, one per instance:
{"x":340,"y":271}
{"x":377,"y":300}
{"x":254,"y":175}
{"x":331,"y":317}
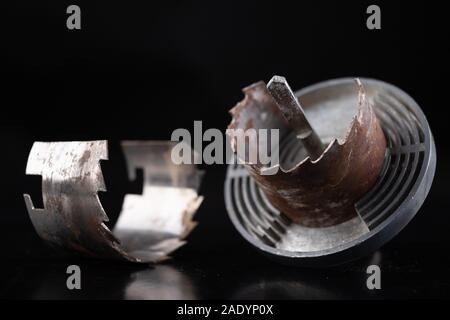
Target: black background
{"x":141,"y":70}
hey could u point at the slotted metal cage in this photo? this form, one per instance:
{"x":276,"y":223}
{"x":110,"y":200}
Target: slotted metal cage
{"x":396,"y":197}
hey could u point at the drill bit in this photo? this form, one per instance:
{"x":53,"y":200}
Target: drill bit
{"x":295,"y":116}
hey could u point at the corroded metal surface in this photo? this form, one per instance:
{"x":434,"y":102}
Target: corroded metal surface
{"x":321,"y":192}
{"x":295,"y":116}
{"x":73,"y":218}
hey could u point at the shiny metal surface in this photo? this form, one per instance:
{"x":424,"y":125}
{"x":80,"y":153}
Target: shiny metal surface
{"x":317,"y":192}
{"x":150,"y":226}
{"x":155,"y":223}
{"x":401,"y":188}
{"x":295,"y":116}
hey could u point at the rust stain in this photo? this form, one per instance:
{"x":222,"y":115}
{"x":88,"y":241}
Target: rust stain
{"x":320,"y":193}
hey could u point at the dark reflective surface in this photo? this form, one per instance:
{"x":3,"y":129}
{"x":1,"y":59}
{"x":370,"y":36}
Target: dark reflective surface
{"x":141,"y":71}
{"x":229,"y":272}
{"x":217,"y":263}
{"x":217,"y":278}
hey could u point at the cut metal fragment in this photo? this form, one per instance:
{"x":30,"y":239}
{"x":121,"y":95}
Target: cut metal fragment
{"x":322,"y":191}
{"x":150,"y":226}
{"x":295,"y":116}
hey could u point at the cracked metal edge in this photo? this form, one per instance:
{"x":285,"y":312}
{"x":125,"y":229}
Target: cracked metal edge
{"x":319,"y":193}
{"x":73,"y":217}
{"x":162,"y":215}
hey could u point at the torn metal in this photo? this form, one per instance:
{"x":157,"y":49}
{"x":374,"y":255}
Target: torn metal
{"x":293,"y":112}
{"x":150,"y":226}
{"x":320,"y":191}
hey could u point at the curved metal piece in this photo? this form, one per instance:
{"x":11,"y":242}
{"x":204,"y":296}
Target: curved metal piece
{"x":319,"y":191}
{"x":155,"y":223}
{"x":403,"y":184}
{"x":73,"y":217}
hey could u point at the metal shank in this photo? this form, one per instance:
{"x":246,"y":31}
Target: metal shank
{"x":295,"y":116}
